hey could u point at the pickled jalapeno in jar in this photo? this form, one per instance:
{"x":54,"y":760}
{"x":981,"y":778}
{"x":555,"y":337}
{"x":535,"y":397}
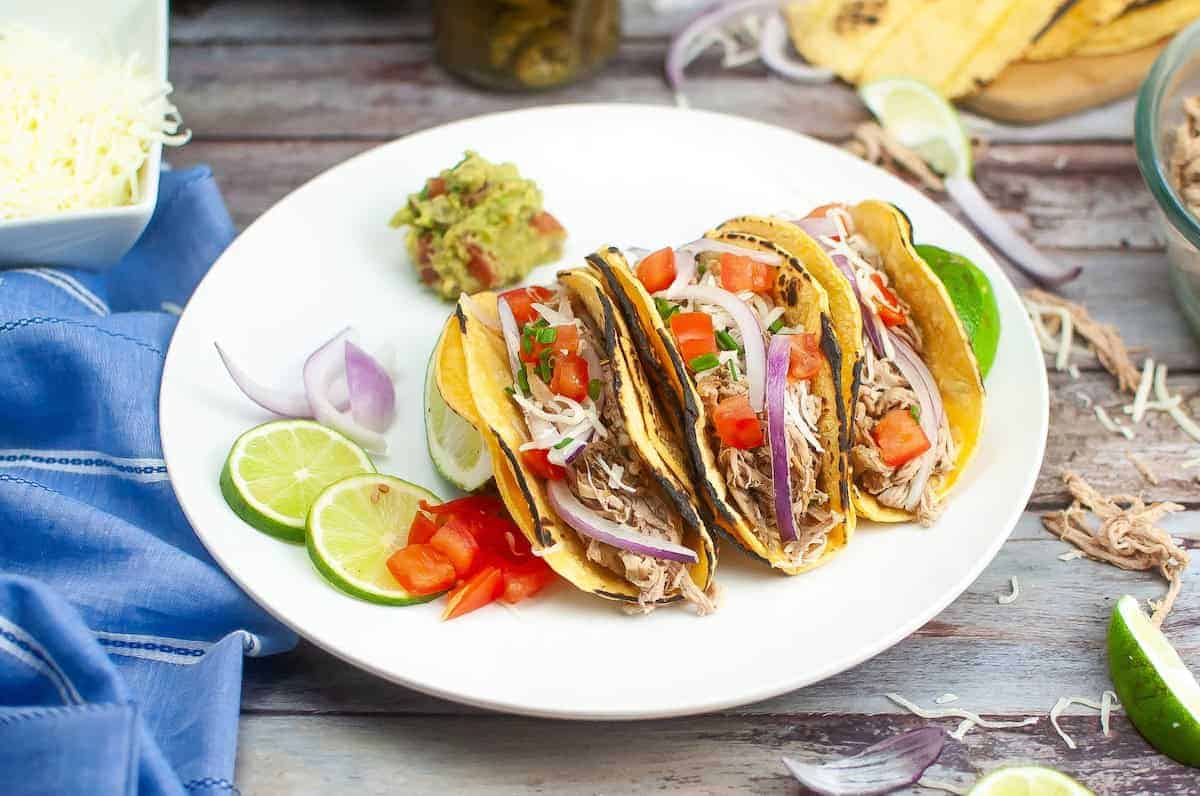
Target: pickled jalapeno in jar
{"x":524,"y":45}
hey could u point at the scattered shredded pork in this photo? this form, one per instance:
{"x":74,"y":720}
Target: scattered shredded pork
{"x":1185,"y":156}
{"x":1127,"y":536}
{"x":875,"y":145}
{"x":1103,"y":338}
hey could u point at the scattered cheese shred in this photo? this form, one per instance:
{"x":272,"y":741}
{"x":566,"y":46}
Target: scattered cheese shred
{"x":1009,"y":599}
{"x":964,"y":727}
{"x":1176,"y":410}
{"x":1108,"y":701}
{"x":959,"y":713}
{"x":1128,"y":535}
{"x":1140,"y":465}
{"x":1110,"y":424}
{"x":1062,"y":704}
{"x":75,"y":130}
{"x":946,"y":699}
{"x":1142,"y":394}
{"x":1071,"y":555}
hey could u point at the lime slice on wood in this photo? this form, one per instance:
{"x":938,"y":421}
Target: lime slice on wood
{"x":354,"y":527}
{"x":971,"y":292}
{"x":456,"y":447}
{"x":918,"y":117}
{"x":275,"y":471}
{"x":1157,"y":692}
{"x":1028,"y":781}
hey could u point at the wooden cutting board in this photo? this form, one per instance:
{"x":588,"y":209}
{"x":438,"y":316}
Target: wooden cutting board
{"x":1027,"y":92}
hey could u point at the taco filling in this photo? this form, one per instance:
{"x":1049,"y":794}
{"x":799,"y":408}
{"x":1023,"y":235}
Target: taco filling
{"x":596,"y":479}
{"x":902,"y":445}
{"x":753,"y":376}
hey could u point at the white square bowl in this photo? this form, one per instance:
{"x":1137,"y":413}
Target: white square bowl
{"x":93,"y":239}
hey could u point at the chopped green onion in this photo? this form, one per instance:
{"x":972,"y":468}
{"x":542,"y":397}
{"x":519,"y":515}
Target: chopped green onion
{"x":523,"y":381}
{"x":547,"y":335}
{"x":527,"y":342}
{"x":541,"y":323}
{"x":665,"y":308}
{"x":733,"y":370}
{"x":701,"y":269}
{"x":704,"y":362}
{"x":564,"y":442}
{"x":915,"y":411}
{"x":775,"y":327}
{"x":594,"y":389}
{"x":726,"y":342}
{"x":544,"y":369}
{"x":509,"y":391}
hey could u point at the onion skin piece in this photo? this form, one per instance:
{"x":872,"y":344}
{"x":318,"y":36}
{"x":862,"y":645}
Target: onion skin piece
{"x":372,"y":394}
{"x":323,"y":366}
{"x":587,"y":523}
{"x":779,"y":357}
{"x":280,"y":402}
{"x":881,"y":768}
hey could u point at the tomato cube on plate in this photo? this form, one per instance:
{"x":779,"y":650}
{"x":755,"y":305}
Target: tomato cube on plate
{"x":421,"y":569}
{"x":422,"y":528}
{"x":455,"y":542}
{"x":484,"y":587}
{"x":525,"y":580}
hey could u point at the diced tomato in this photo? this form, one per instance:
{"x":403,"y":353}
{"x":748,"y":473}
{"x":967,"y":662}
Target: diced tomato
{"x":422,"y":528}
{"x":740,"y":273}
{"x":891,"y":317}
{"x":522,"y":299}
{"x":888,"y":295}
{"x":485,"y":504}
{"x":566,"y":341}
{"x":805,"y":357}
{"x":425,"y":251}
{"x":435,"y":186}
{"x":480,"y":266}
{"x":525,"y":580}
{"x":501,"y":541}
{"x":483,"y":587}
{"x":545,"y":224}
{"x":570,"y":378}
{"x":736,"y":423}
{"x":899,"y":437}
{"x":455,"y":541}
{"x":536,"y":460}
{"x":421,"y":569}
{"x":694,"y":333}
{"x":657,"y":270}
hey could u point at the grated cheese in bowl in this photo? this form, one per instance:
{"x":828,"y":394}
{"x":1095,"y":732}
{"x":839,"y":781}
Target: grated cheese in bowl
{"x":75,"y":131}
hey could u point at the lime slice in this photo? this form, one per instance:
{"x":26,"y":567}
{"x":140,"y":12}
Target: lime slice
{"x":1028,"y":781}
{"x":918,"y":117}
{"x":973,"y":298}
{"x":1157,"y":692}
{"x":456,"y":447}
{"x":275,"y":471}
{"x":354,"y":527}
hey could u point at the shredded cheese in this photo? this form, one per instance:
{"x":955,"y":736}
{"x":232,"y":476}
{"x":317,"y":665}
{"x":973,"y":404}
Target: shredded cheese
{"x":1142,"y":393}
{"x":964,"y":727}
{"x":74,"y":131}
{"x":1176,"y":411}
{"x":959,"y":713}
{"x":542,"y":552}
{"x":945,"y":699}
{"x":1143,"y":468}
{"x":1071,"y":555}
{"x":1108,"y":701}
{"x":1009,"y":599}
{"x":1110,"y":424}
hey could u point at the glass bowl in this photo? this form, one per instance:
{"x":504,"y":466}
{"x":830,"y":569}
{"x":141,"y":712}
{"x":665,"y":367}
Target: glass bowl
{"x":1174,"y":76}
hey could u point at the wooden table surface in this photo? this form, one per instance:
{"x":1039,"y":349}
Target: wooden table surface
{"x":276,"y":92}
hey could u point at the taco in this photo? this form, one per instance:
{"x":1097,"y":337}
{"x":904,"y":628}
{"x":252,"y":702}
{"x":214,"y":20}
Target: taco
{"x":737,"y":336}
{"x":562,"y":405}
{"x":909,"y":372}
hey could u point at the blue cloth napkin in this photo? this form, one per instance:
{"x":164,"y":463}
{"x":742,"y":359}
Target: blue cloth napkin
{"x":121,"y":642}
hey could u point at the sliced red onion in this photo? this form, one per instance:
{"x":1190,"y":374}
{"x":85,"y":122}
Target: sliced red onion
{"x":873,"y":328}
{"x":779,"y":357}
{"x":685,"y":270}
{"x":587,"y":523}
{"x":775,"y":49}
{"x":570,"y":452}
{"x":747,"y":323}
{"x":512,"y":335}
{"x":710,"y":245}
{"x":932,"y":412}
{"x":323,"y":366}
{"x":1027,"y":259}
{"x":682,"y":50}
{"x":819,"y":227}
{"x":473,"y":309}
{"x":881,"y":768}
{"x":372,"y":394}
{"x":281,"y":402}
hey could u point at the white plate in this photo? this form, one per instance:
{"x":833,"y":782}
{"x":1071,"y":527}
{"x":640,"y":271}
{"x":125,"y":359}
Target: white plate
{"x":324,"y":257}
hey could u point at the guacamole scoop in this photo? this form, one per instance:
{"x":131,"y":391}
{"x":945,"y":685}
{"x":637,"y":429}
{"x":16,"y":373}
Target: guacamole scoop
{"x":477,"y":226}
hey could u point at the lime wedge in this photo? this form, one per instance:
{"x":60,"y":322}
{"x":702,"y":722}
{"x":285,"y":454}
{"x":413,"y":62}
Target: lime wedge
{"x":354,"y":527}
{"x":275,"y":471}
{"x":971,"y":292}
{"x":1028,"y":781}
{"x":918,"y":117}
{"x":456,"y":447}
{"x":1157,"y":692}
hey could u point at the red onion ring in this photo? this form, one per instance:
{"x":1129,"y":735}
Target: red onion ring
{"x":372,"y":393}
{"x":932,"y":412}
{"x":680,"y":55}
{"x":322,"y":367}
{"x":281,"y":402}
{"x":1024,"y":257}
{"x":587,"y":523}
{"x":775,"y":50}
{"x":872,"y":327}
{"x":685,"y":271}
{"x":779,"y":357}
{"x":752,"y":336}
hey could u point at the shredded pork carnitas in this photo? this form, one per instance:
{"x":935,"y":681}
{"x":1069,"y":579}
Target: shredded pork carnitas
{"x":1103,"y":338}
{"x":1128,"y":535}
{"x":1185,"y":156}
{"x":875,"y":145}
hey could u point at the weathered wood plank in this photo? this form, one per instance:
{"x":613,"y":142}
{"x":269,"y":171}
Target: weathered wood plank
{"x":443,"y":754}
{"x":1010,"y":659}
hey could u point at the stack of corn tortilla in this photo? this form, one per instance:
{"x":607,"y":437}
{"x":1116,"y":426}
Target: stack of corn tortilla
{"x":960,"y":46}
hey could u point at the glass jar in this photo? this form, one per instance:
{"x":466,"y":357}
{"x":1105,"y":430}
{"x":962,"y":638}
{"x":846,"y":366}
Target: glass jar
{"x":525,"y":45}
